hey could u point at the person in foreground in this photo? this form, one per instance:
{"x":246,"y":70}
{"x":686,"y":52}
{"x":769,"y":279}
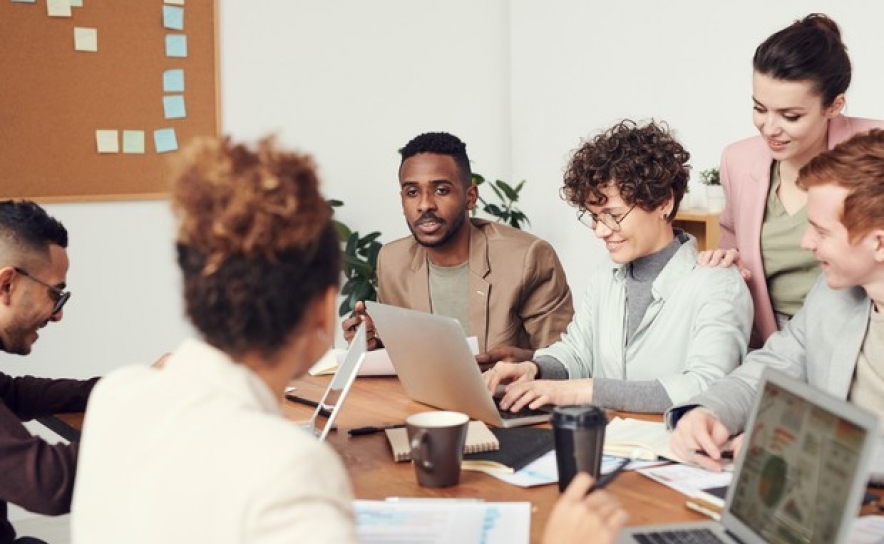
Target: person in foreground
{"x":506,"y":287}
{"x":800,"y":76}
{"x":200,"y":452}
{"x":655,"y":328}
{"x":33,"y":266}
{"x":836,"y":340}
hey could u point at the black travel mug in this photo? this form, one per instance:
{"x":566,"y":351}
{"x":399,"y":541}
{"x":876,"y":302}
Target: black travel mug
{"x":580,"y":438}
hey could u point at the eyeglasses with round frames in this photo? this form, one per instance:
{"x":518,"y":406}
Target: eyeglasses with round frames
{"x":60,"y":296}
{"x":608,"y":219}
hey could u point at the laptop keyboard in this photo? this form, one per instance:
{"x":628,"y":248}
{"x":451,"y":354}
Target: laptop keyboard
{"x":690,"y":536}
{"x":524,"y":412}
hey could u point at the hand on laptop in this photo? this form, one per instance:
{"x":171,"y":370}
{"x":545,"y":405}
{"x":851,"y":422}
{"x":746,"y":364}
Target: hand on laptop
{"x":352,"y":323}
{"x":505,"y":373}
{"x":580,"y":518}
{"x":700,"y":437}
{"x":504,"y":353}
{"x":523,"y":390}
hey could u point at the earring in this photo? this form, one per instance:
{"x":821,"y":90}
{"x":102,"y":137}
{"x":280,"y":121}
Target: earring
{"x":665,"y":216}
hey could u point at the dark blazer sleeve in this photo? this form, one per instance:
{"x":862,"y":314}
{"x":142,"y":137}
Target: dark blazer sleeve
{"x":28,"y":397}
{"x":36,"y":475}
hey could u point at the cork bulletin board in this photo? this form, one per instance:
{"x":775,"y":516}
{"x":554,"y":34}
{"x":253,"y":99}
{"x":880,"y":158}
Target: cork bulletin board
{"x":96,"y":95}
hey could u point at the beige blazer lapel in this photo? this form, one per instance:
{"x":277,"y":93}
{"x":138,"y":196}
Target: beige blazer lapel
{"x":480,"y":288}
{"x":419,"y":281}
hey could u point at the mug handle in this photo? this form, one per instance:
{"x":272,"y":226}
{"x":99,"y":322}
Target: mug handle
{"x":419,"y":450}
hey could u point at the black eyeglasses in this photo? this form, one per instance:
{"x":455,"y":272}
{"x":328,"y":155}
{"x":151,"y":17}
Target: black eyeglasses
{"x":608,"y":219}
{"x":60,"y":296}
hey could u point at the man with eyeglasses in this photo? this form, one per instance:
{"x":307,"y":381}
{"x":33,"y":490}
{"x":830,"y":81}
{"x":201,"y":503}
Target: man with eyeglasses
{"x":33,"y":265}
{"x":654,"y":329}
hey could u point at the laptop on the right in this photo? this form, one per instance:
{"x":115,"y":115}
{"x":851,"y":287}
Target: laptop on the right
{"x":800,"y":474}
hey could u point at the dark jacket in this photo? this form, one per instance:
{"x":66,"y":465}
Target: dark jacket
{"x":33,"y":474}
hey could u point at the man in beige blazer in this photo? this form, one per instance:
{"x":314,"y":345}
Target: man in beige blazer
{"x":504,"y":286}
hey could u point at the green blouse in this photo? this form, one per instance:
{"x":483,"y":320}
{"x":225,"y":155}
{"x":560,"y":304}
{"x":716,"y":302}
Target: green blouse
{"x":790,"y":270}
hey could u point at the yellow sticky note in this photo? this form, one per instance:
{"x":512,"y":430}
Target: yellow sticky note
{"x":58,"y":8}
{"x":108,"y":141}
{"x":85,"y":39}
{"x":175,"y":2}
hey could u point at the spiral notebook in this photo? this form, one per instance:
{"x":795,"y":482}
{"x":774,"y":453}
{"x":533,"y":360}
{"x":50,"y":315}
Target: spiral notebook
{"x":479,"y":439}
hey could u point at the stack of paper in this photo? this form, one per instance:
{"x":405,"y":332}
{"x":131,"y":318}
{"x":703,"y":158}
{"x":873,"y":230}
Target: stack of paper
{"x":442,"y":521}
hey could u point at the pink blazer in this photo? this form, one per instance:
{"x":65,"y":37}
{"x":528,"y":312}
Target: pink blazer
{"x":745,"y":177}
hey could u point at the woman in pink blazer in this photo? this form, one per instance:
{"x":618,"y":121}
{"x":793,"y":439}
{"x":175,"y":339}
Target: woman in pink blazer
{"x":800,"y":76}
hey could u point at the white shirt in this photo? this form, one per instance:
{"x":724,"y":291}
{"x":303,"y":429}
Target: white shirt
{"x":199,"y":452}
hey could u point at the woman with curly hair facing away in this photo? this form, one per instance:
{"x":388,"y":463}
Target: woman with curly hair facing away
{"x":799,"y":80}
{"x":654,"y":328}
{"x":199,"y":451}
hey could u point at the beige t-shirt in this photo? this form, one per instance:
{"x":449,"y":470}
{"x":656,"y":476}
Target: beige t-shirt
{"x":867,"y":390}
{"x":449,"y":292}
{"x":790,"y":270}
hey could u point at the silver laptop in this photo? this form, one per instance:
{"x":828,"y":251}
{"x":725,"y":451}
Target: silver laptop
{"x":436,"y":367}
{"x":799,"y":477}
{"x":333,"y":399}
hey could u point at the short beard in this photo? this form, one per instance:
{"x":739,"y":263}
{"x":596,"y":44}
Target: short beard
{"x":455,"y":228}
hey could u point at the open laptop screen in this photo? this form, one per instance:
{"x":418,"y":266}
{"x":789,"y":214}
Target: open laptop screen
{"x":339,"y":386}
{"x":799,"y":470}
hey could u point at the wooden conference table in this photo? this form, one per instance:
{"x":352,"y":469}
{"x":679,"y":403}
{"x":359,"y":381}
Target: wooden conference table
{"x":374,"y":474}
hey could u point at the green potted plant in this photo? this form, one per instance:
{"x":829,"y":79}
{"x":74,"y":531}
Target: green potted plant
{"x":711,"y":178}
{"x":360,"y":259}
{"x":504,"y":211}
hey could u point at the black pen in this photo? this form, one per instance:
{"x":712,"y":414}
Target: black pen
{"x":361,"y":431}
{"x":725,"y":454}
{"x":307,"y":402}
{"x":605,"y":479}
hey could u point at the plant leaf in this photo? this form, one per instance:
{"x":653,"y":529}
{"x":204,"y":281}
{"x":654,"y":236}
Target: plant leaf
{"x":507,"y":190}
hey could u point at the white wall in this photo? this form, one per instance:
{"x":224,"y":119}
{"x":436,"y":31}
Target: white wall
{"x":521,"y":81}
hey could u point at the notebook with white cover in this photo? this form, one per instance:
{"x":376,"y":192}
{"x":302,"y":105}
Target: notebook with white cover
{"x":800,"y":473}
{"x":638,"y":439}
{"x":479,"y":439}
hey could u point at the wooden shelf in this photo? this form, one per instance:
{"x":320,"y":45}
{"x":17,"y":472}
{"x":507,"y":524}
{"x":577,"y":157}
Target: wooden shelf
{"x":700,"y":223}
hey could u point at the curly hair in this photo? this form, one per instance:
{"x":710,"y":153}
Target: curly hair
{"x":857,"y":165}
{"x":809,"y":49}
{"x":644,"y":162}
{"x":441,"y":143}
{"x":255,"y":242}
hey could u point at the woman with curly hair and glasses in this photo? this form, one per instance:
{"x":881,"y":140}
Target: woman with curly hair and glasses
{"x":654,"y":328}
{"x":200,"y":451}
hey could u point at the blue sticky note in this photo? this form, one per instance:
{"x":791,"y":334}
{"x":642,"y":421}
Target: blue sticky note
{"x":173,"y":106}
{"x":25,"y":1}
{"x":76,"y":3}
{"x":173,"y":81}
{"x":164,"y":139}
{"x":173,"y":17}
{"x":176,"y":45}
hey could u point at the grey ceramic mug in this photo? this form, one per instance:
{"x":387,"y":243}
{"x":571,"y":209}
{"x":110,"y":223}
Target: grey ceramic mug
{"x":437,"y":440}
